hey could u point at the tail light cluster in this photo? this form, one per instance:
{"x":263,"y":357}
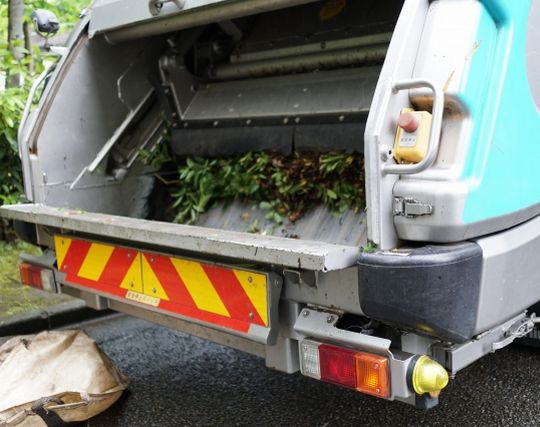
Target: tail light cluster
{"x":36,"y":276}
{"x":364,"y":372}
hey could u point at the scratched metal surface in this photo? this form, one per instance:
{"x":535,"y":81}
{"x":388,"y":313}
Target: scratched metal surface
{"x":288,"y":252}
{"x":319,"y":224}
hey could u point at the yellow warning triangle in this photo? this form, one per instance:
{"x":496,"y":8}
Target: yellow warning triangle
{"x":152,"y":286}
{"x":61,"y":245}
{"x":133,"y":278}
{"x":255,"y":287}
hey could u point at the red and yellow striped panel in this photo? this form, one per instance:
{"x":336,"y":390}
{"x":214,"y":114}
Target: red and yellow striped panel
{"x":226,"y":297}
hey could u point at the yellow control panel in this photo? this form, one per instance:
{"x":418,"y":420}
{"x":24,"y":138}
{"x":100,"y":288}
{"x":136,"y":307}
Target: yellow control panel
{"x":412,"y":136}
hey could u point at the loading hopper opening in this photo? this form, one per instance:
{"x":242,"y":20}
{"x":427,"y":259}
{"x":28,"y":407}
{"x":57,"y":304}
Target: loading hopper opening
{"x":297,"y":81}
{"x":293,"y":82}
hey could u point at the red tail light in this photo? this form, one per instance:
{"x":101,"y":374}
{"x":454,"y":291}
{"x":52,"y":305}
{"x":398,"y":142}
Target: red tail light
{"x":338,"y":365}
{"x":365,"y":372}
{"x":31,"y":275}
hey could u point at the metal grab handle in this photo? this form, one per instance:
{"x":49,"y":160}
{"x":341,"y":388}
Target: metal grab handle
{"x":435,"y":132}
{"x":29,"y":102}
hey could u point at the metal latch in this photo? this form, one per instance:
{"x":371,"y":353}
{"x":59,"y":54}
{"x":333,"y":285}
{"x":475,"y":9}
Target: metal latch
{"x":410,"y":208}
{"x":518,"y":330}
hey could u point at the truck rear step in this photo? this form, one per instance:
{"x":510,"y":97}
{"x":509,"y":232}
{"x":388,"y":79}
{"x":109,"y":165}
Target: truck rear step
{"x":286,"y":252}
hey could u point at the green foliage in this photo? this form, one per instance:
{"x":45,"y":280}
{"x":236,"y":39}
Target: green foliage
{"x":155,"y":157}
{"x":284,"y":186}
{"x":369,"y":248}
{"x":12,"y":100}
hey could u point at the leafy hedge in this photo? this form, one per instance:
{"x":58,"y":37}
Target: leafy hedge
{"x":284,"y":186}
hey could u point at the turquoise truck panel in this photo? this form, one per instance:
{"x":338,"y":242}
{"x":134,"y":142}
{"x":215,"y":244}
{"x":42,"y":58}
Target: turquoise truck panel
{"x":502,"y":166}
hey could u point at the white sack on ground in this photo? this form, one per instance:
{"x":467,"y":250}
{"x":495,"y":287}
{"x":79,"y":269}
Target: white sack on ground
{"x":53,"y":377}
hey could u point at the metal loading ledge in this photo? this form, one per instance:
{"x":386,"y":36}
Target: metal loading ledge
{"x":302,"y":254}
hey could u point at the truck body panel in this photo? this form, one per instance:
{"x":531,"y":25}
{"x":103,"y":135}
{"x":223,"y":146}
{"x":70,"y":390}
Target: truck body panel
{"x":438,"y":264}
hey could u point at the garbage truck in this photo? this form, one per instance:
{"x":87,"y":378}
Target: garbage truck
{"x":440,"y":97}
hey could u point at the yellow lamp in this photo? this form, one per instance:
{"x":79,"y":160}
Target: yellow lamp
{"x":429,"y":377}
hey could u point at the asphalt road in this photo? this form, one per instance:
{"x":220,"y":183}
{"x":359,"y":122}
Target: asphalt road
{"x":178,"y":380}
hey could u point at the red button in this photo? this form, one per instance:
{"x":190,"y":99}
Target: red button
{"x":408,"y":122}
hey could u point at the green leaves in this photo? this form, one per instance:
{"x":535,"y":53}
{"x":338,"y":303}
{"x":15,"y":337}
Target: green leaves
{"x":284,"y":186}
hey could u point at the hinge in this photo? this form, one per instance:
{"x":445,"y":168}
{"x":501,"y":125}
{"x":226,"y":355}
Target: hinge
{"x":410,"y":208}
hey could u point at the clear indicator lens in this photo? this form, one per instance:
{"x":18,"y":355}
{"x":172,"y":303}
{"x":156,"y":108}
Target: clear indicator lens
{"x":309,"y":352}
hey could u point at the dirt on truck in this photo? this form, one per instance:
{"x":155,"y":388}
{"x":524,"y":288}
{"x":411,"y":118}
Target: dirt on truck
{"x":318,"y":183}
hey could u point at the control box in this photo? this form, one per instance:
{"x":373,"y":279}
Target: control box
{"x":412,"y":136}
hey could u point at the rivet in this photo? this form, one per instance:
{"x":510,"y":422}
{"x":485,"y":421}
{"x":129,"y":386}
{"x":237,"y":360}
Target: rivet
{"x":305,"y":313}
{"x":250,"y":279}
{"x":251,"y":315}
{"x":330,"y":319}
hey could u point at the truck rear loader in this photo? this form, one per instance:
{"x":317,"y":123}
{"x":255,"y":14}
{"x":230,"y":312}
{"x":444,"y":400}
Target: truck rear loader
{"x":441,"y":98}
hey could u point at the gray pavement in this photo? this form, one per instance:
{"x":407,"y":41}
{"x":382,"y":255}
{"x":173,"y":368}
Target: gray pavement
{"x":177,"y":380}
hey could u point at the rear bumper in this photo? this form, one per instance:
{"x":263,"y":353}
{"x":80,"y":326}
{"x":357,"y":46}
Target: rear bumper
{"x":434,"y":289}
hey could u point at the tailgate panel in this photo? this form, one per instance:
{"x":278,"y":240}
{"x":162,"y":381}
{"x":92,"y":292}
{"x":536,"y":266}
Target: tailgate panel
{"x":286,"y":252}
{"x":226,"y":297}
